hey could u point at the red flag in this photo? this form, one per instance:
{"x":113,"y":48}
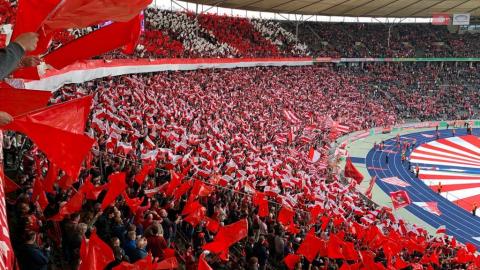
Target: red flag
{"x":334,"y":249}
{"x":182,"y":190}
{"x":9,"y":185}
{"x":31,"y":14}
{"x":471,"y":248}
{"x":140,"y":177}
{"x":400,"y":263}
{"x":54,"y":15}
{"x":400,"y":199}
{"x":310,"y":247}
{"x":72,"y":206}
{"x":202,"y":264}
{"x":169,"y":263}
{"x":83,"y":13}
{"x":134,"y":203}
{"x":116,"y":186}
{"x":263,"y":209}
{"x":92,"y":192}
{"x":20,"y":101}
{"x":212,"y":225}
{"x":66,"y":149}
{"x":105,"y":39}
{"x":352,"y":172}
{"x":69,"y":116}
{"x":314,"y":212}
{"x":349,"y":251}
{"x":38,"y":194}
{"x":285,"y":216}
{"x":345,"y":266}
{"x":291,"y":261}
{"x":98,"y":256}
{"x":196,"y":216}
{"x":200,"y":189}
{"x":175,"y":181}
{"x":227,"y":236}
{"x":58,"y":132}
{"x":51,"y":177}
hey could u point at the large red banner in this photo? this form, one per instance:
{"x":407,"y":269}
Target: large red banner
{"x":441,"y":19}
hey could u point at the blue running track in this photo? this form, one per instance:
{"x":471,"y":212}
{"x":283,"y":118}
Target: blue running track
{"x":459,"y":223}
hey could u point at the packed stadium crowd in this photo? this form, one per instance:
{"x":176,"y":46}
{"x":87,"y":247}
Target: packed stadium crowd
{"x":415,"y":91}
{"x":237,"y":168}
{"x":218,"y":173}
{"x":170,"y":34}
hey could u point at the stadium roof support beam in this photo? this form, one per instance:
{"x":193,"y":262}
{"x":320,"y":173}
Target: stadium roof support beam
{"x":249,"y":3}
{"x":341,"y":3}
{"x":422,"y":10}
{"x":396,"y":10}
{"x":355,"y":7}
{"x":380,"y":7}
{"x":309,"y":5}
{"x":178,"y":4}
{"x":457,"y":5}
{"x":281,"y":4}
{"x":472,"y":10}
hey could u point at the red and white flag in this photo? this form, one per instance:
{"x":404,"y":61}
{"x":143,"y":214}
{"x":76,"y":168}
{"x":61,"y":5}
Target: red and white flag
{"x":125,"y":147}
{"x":395,"y":181}
{"x":431,"y":207}
{"x":291,"y":116}
{"x":149,"y":143}
{"x":442,"y":229}
{"x":400,"y":199}
{"x":313,"y":155}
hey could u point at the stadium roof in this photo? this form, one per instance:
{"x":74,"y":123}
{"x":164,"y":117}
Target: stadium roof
{"x":355,"y":8}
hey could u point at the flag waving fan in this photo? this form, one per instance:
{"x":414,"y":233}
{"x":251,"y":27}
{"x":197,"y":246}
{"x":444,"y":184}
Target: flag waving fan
{"x":49,"y":16}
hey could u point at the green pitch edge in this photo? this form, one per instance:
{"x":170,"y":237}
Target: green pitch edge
{"x":360,"y":148}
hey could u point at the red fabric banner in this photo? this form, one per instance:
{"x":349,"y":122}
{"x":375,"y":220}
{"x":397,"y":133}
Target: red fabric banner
{"x":98,"y":254}
{"x":227,"y":236}
{"x":72,"y":206}
{"x":20,"y":101}
{"x":58,"y":131}
{"x":83,"y":13}
{"x":285,"y":216}
{"x":202,"y":264}
{"x":48,"y":16}
{"x":31,"y":14}
{"x":291,"y":260}
{"x":68,"y":116}
{"x":310,"y":247}
{"x":64,"y":148}
{"x":116,"y":186}
{"x":352,"y":172}
{"x":9,"y":185}
{"x":98,"y":42}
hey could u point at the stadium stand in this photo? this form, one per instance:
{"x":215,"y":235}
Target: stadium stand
{"x":216,"y":162}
